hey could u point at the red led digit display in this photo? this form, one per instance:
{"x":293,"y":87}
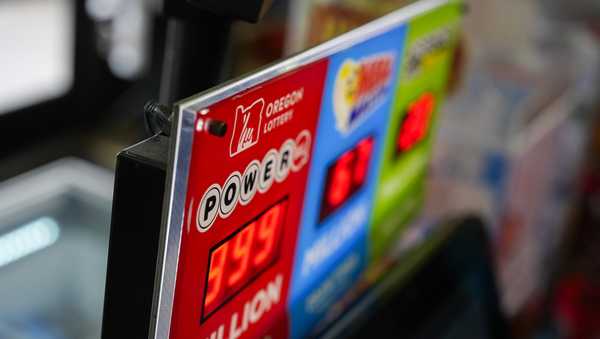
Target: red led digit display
{"x":346,"y":176}
{"x":242,"y":256}
{"x":416,"y":122}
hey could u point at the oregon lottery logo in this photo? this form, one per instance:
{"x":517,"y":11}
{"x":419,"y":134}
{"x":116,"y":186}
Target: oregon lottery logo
{"x":360,"y":87}
{"x":246,"y":128}
{"x":259,"y":175}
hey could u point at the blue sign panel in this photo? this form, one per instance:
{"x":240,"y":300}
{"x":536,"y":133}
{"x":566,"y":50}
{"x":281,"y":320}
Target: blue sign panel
{"x":332,"y":245}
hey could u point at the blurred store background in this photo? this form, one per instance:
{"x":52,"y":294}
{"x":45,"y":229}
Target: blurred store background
{"x":518,"y":143}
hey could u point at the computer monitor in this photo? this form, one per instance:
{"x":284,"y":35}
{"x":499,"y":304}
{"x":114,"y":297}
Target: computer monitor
{"x":451,"y":295}
{"x":54,"y":76}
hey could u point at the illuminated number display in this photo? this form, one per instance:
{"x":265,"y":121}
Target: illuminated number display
{"x":242,"y":257}
{"x":346,"y":176}
{"x":415,"y":124}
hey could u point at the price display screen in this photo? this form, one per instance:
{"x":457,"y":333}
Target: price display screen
{"x":415,"y":123}
{"x":346,"y":176}
{"x":268,"y":228}
{"x":242,"y":256}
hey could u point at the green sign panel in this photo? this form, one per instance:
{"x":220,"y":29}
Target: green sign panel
{"x":423,"y":78}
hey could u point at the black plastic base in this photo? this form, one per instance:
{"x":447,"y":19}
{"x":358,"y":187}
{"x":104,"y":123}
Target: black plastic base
{"x":134,"y":234}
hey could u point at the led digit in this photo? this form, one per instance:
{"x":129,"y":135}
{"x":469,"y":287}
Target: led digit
{"x":341,"y":183}
{"x":363,"y":151}
{"x":267,"y":230}
{"x":240,"y":254}
{"x":409,"y":132}
{"x":215,"y":274}
{"x":415,"y":124}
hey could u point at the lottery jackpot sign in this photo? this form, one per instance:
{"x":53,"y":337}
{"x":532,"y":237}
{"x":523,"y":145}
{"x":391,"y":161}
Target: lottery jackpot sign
{"x":270,"y":225}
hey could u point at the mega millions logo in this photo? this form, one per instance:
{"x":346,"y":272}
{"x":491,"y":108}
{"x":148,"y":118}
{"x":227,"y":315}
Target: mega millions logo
{"x":361,"y":86}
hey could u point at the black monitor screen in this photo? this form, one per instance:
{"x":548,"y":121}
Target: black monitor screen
{"x":452,"y":295}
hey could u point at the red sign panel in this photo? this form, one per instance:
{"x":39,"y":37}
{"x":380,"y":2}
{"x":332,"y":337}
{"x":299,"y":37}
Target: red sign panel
{"x":233,"y":276}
